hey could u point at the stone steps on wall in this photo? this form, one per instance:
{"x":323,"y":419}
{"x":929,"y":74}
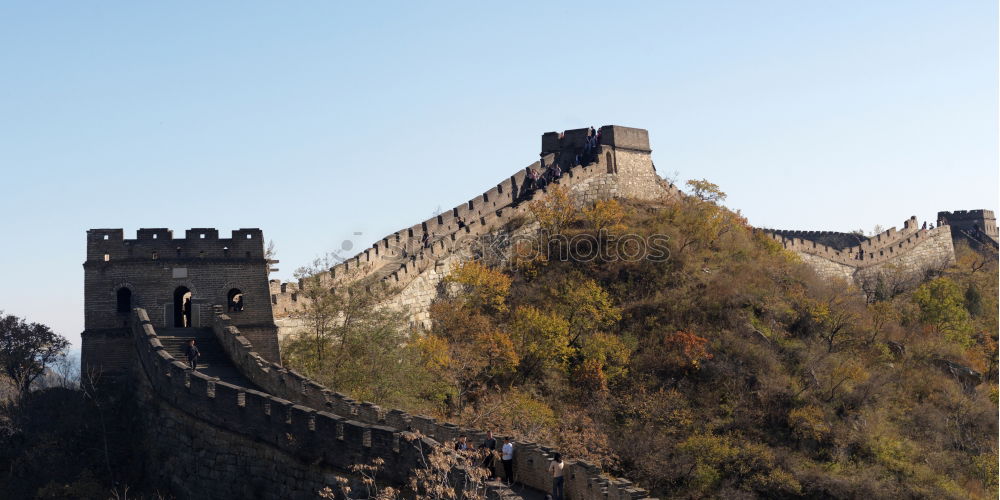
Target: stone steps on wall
{"x":213,"y":361}
{"x":387,"y":269}
{"x":391,"y":266}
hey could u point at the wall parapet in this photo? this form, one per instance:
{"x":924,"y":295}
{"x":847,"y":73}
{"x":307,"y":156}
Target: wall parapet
{"x":875,"y":250}
{"x":315,"y":436}
{"x":408,"y":253}
{"x":584,"y":480}
{"x":104,"y":245}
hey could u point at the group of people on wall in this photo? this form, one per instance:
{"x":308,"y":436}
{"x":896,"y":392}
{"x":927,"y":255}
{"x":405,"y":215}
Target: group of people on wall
{"x":582,"y":155}
{"x":489,"y":448}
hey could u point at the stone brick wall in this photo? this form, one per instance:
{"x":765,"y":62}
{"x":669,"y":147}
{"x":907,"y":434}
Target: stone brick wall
{"x":971,"y":220}
{"x":193,"y":459}
{"x":911,"y":250}
{"x":827,"y":268}
{"x":584,"y":480}
{"x":831,"y":239}
{"x":222,"y":436}
{"x":623,"y":169}
{"x":154,"y":265}
{"x":109,"y":351}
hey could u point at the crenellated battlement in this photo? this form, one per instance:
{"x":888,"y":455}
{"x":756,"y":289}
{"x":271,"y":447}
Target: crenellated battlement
{"x":177,"y":280}
{"x":104,"y":245}
{"x":912,"y":249}
{"x":968,"y":213}
{"x":868,"y":250}
{"x":585,"y":480}
{"x":310,"y":434}
{"x":971,"y":224}
{"x":614,"y":136}
{"x":621,"y":167}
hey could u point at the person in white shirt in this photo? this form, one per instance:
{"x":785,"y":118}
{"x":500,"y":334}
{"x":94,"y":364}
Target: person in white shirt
{"x":556,"y":469}
{"x":507,"y":457}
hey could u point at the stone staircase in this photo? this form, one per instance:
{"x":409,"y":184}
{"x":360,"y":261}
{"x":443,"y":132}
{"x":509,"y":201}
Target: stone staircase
{"x":213,"y":361}
{"x":391,"y":266}
{"x":981,"y":240}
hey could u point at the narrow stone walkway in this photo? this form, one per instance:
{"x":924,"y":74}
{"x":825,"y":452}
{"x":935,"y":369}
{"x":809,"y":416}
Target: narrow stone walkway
{"x":213,"y":362}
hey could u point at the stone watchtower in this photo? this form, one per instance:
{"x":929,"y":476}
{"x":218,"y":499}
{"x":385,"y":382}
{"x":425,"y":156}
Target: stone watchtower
{"x":623,"y":157}
{"x":177,"y":281}
{"x":970,"y":223}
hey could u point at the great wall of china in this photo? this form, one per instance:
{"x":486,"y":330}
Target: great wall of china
{"x":910,"y":250}
{"x":245,"y":425}
{"x":623,"y":167}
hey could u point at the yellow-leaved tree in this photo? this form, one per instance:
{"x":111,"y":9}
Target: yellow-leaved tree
{"x":554,"y":212}
{"x":542,"y":340}
{"x":485,"y":289}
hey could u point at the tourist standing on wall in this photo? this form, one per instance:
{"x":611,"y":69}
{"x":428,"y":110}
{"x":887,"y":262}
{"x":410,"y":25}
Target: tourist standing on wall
{"x":489,"y":446}
{"x":556,"y":469}
{"x":507,"y":457}
{"x":193,"y":354}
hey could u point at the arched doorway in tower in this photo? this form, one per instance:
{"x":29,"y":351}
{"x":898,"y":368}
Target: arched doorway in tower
{"x":124,"y":299}
{"x":234,"y":300}
{"x":182,"y":307}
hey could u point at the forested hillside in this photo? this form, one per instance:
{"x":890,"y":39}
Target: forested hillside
{"x":723,"y":369}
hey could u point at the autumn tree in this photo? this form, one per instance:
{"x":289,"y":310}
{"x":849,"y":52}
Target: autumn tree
{"x":584,"y":304}
{"x":465,"y":350}
{"x":541,"y":338}
{"x":605,"y":215}
{"x":835,"y":314}
{"x":603,"y":358}
{"x":483,"y":289}
{"x":880,"y":314}
{"x":348,"y":340}
{"x":706,"y":191}
{"x":701,"y":219}
{"x":682,"y":351}
{"x":942,"y":305}
{"x":554,"y":212}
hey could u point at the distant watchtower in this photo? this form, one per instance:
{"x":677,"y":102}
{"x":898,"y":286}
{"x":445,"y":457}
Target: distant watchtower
{"x":970,"y":223}
{"x":177,"y":281}
{"x":622,"y":154}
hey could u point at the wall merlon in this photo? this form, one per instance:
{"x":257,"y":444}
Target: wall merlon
{"x":206,"y":233}
{"x":625,"y":137}
{"x":159,"y":234}
{"x":550,"y":142}
{"x":159,"y":244}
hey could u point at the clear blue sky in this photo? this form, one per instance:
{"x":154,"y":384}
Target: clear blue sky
{"x":315,"y":120}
